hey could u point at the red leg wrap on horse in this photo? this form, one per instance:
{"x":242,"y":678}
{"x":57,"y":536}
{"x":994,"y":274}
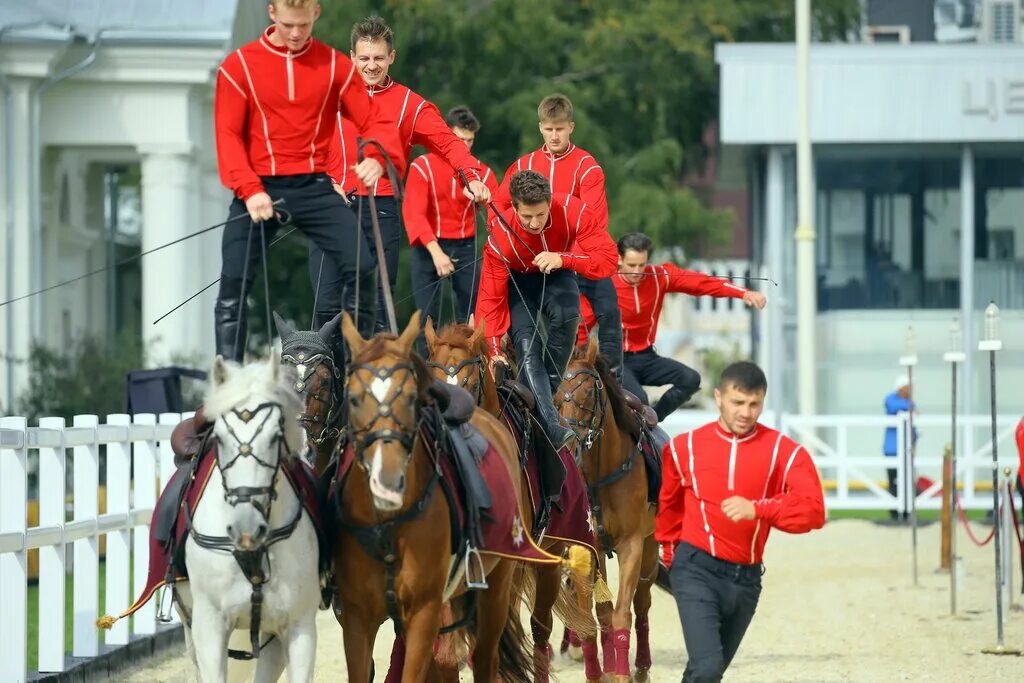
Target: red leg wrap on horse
{"x":397,"y":662}
{"x":608,"y":648}
{"x":643,"y":643}
{"x":591,"y":667}
{"x":574,"y":638}
{"x":622,"y":652}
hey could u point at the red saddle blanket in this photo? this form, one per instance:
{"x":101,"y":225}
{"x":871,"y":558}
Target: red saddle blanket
{"x":504,"y":532}
{"x":165,"y":564}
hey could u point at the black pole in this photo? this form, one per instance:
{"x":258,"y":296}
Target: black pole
{"x":995,"y":500}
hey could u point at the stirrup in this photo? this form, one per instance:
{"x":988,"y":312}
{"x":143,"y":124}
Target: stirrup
{"x":165,"y":607}
{"x":472,"y":584}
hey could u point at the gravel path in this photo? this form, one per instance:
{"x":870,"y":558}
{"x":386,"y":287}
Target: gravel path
{"x":838,"y":605}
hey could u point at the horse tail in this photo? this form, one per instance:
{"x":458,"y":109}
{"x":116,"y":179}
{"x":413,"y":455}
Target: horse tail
{"x":515,"y":661}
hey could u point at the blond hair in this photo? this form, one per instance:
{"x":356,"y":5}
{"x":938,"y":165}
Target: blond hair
{"x":295,"y":4}
{"x":555,"y":107}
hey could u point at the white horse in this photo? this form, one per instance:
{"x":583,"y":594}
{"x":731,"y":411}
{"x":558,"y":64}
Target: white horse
{"x":249,"y":516}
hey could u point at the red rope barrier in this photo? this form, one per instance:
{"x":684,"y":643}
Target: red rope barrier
{"x":967,"y":527}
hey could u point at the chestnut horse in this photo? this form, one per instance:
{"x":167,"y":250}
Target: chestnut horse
{"x":458,"y":356}
{"x":395,"y":557}
{"x":609,"y":432}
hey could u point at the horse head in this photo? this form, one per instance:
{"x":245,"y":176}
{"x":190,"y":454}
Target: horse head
{"x":580,"y":396}
{"x":386,"y":386}
{"x":457,"y":356}
{"x":253,"y":411}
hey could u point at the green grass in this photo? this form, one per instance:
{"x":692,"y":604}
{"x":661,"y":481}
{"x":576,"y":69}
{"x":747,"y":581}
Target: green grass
{"x":33,"y":615}
{"x":922,"y":515}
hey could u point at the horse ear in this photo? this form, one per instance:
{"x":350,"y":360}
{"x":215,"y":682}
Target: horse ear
{"x":428,"y":332}
{"x":284,"y":328}
{"x":412,"y":330}
{"x":274,"y":365}
{"x":592,"y":348}
{"x":330,"y":328}
{"x":351,"y":334}
{"x":478,"y":334}
{"x":219,"y":373}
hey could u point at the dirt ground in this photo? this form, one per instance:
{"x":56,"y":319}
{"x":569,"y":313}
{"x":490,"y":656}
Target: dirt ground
{"x":838,"y":605}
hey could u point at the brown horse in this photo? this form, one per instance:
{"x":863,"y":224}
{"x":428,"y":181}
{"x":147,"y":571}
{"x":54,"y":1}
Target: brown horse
{"x":608,"y":431}
{"x":457,"y":355}
{"x":395,"y":557}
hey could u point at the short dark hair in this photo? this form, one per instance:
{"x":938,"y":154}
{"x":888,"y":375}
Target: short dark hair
{"x":556,"y":107}
{"x":529,"y":187}
{"x":372,"y":28}
{"x":462,"y":117}
{"x":637,"y":241}
{"x":745,"y":376}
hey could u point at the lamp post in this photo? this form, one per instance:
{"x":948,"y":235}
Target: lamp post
{"x":992,"y":343}
{"x":909,"y":360}
{"x":954,"y":356}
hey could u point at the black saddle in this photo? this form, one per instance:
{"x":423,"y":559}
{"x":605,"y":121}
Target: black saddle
{"x":521,"y":392}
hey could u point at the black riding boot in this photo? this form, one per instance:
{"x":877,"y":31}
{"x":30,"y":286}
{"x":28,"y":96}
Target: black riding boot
{"x":229,"y":326}
{"x":535,"y":375}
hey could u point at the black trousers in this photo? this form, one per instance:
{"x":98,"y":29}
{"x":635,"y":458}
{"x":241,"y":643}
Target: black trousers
{"x":891,"y":475}
{"x":605,"y":303}
{"x":716,"y":601}
{"x":647,"y":368}
{"x":320,"y":213}
{"x":554,"y":301}
{"x":430,"y":291}
{"x":331,"y":281}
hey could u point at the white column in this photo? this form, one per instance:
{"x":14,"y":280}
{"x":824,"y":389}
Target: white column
{"x":806,"y":276}
{"x":967,"y":275}
{"x":775,"y":209}
{"x":170,"y":211}
{"x":15,"y":319}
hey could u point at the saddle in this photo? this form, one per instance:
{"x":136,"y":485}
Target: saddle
{"x":643,"y":411}
{"x":521,"y":392}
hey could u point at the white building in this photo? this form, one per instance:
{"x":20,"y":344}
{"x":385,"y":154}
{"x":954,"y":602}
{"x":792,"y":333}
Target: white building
{"x":919,"y":170}
{"x":107,"y":148}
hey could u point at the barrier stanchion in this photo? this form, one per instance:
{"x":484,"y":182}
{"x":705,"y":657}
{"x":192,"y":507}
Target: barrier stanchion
{"x":945,"y":552}
{"x":954,"y":357}
{"x":909,"y":360}
{"x":992,"y":343}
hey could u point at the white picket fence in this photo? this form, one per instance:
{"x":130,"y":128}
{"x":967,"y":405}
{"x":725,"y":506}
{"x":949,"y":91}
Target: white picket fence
{"x":137,"y":463}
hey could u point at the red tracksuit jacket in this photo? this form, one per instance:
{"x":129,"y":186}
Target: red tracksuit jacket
{"x":419,"y":123}
{"x":640,"y":304}
{"x":704,"y":467}
{"x":275,"y":112}
{"x":572,"y":231}
{"x":574,"y":172}
{"x":435,"y":206}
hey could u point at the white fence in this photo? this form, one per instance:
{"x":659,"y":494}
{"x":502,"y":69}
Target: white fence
{"x":132,"y":457}
{"x":847,"y":450}
{"x":135,"y":457}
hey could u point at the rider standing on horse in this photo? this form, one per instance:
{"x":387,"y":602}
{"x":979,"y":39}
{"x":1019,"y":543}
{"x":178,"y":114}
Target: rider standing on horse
{"x":418,"y":123}
{"x":533,"y":254}
{"x":725,"y":486}
{"x":441,"y":225}
{"x":574,"y":171}
{"x":275,"y":119}
{"x":641,"y":288}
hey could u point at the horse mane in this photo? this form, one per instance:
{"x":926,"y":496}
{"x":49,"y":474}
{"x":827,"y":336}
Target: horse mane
{"x":624,"y":416}
{"x":383,"y":344}
{"x":457,"y":335}
{"x":246,"y":382}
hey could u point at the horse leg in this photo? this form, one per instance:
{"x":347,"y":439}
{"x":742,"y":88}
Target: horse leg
{"x":358,"y":632}
{"x":421,"y":628}
{"x":301,"y":645}
{"x":548,"y":580}
{"x":584,"y":594}
{"x":211,"y":647}
{"x":604,"y":621}
{"x":630,"y":554}
{"x":642,"y":608}
{"x":492,"y":615}
{"x":272,"y":662}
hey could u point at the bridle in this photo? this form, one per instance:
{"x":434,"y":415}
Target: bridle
{"x":251,"y":494}
{"x":473,"y":382}
{"x":307,"y":363}
{"x":588,"y":429}
{"x":369,"y":434}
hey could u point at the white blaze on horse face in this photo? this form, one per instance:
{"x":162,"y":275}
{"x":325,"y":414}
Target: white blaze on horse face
{"x":384,"y":497}
{"x":453,"y":379}
{"x":379,"y":388}
{"x":301,"y":369}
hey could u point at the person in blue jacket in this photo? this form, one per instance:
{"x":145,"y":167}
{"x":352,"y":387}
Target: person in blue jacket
{"x":898,"y":401}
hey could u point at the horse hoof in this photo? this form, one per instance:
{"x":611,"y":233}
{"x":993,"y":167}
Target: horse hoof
{"x":641,"y":676}
{"x":576,"y":653}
